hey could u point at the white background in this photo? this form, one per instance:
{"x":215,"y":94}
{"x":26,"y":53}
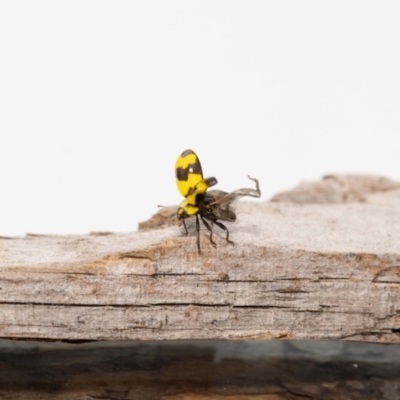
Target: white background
{"x":97,"y":100}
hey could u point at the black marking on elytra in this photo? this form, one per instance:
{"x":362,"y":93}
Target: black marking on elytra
{"x":182,"y":174}
{"x":187,"y":152}
{"x":195,"y":168}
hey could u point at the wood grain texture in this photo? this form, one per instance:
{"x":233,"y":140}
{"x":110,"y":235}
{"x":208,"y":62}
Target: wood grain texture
{"x":317,"y":271}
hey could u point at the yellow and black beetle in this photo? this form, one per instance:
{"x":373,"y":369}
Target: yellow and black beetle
{"x":210,"y":206}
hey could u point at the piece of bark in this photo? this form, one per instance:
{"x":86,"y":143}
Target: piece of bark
{"x":164,"y":217}
{"x":336,"y":189}
{"x":316,"y":271}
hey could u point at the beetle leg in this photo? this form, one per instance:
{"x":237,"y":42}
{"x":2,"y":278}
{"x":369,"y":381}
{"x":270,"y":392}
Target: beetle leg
{"x":198,"y":232}
{"x":222,"y":226}
{"x":184,"y":224}
{"x":209,"y":228}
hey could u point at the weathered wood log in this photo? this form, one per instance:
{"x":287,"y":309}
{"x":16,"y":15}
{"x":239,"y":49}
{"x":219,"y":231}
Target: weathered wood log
{"x":317,"y":271}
